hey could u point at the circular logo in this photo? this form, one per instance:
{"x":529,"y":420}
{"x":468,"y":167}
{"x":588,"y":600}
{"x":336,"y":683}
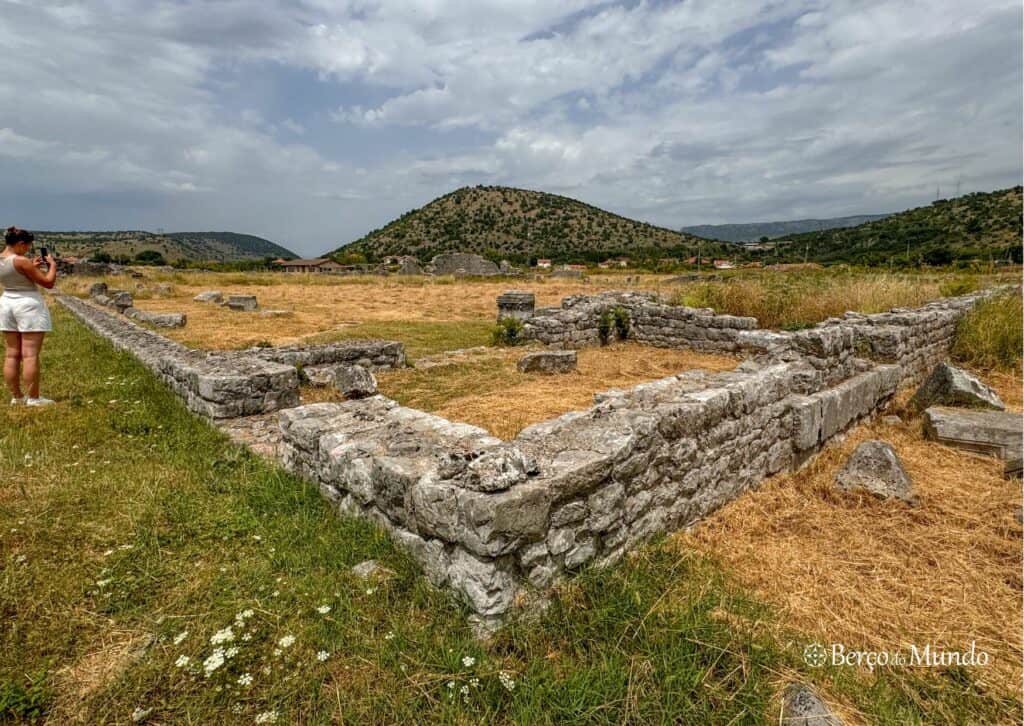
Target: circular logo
{"x":815,"y":655}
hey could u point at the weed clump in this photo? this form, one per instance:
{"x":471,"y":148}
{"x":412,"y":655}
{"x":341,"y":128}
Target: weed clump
{"x":508,"y":331}
{"x":990,"y":336}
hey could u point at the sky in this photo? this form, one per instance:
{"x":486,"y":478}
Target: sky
{"x":312,"y":122}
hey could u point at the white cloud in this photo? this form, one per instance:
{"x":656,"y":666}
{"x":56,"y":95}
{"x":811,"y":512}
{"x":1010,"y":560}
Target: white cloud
{"x":678,"y":112}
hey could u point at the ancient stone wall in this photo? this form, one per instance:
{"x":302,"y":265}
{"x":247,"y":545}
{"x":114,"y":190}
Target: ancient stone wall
{"x":498,"y":520}
{"x":577,"y":323}
{"x":218,"y":386}
{"x":228,"y":384}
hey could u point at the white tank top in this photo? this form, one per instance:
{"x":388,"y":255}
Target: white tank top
{"x":11,"y":279}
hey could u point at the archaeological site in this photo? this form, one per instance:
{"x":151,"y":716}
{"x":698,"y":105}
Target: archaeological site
{"x":499,"y":521}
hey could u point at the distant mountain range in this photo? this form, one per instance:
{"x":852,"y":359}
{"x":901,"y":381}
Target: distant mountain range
{"x":171,"y":246}
{"x":519,"y":224}
{"x":755,"y":231}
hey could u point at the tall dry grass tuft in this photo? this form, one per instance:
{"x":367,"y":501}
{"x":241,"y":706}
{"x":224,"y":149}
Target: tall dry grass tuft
{"x":991,"y":336}
{"x":797,"y":301}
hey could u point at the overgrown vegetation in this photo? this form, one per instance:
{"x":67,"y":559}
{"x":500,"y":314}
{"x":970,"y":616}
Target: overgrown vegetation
{"x":798,"y":300}
{"x":990,"y":336}
{"x":508,"y":331}
{"x":135,"y":536}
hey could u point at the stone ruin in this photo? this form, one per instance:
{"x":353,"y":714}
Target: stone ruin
{"x":123,"y":302}
{"x":497,"y":521}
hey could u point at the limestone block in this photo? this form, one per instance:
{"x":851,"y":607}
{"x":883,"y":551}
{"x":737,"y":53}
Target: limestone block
{"x":354,"y":381}
{"x":245,"y":303}
{"x":951,"y":386}
{"x":996,"y":433}
{"x":875,"y":467}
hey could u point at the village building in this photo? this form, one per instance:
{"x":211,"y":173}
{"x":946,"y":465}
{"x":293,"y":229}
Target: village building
{"x":544,"y":264}
{"x":724,"y":265}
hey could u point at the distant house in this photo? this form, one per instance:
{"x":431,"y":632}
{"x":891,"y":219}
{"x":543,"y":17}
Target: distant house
{"x":544,"y":264}
{"x":616,"y":262}
{"x":319,"y":264}
{"x":724,"y":265}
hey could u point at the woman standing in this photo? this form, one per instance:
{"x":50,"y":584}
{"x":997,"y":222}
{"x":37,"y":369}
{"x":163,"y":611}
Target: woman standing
{"x":24,"y":318}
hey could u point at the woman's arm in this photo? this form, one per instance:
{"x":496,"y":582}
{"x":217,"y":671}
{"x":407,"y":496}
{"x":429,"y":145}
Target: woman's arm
{"x":30,"y":269}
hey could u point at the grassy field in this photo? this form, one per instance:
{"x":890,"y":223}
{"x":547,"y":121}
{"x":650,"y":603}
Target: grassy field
{"x":431,"y":315}
{"x":136,"y":541}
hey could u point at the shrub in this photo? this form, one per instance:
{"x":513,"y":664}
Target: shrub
{"x":604,"y":326}
{"x":991,"y":335}
{"x":621,"y":318}
{"x":508,"y":331}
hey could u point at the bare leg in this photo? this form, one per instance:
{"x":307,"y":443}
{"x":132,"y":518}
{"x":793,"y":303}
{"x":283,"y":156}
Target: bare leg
{"x":12,"y":362}
{"x":31,"y":345}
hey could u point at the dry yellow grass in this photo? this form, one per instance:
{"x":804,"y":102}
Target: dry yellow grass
{"x":319,"y":303}
{"x":873,"y":575}
{"x":487,"y":390}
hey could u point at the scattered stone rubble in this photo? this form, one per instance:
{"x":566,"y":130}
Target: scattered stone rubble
{"x":495,"y":520}
{"x":122,"y":301}
{"x":951,"y":386}
{"x":548,"y":361}
{"x":876,"y":468}
{"x":354,"y":381}
{"x":462,"y":263}
{"x":209,"y":296}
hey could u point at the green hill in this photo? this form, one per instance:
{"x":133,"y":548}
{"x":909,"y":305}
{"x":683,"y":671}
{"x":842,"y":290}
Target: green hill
{"x":172,"y":247}
{"x":976,"y":226}
{"x":518,"y":224}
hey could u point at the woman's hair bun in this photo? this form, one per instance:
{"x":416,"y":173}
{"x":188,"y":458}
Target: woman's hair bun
{"x":13,"y":236}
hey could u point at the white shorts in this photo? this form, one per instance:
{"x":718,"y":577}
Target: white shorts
{"x":24,"y":312}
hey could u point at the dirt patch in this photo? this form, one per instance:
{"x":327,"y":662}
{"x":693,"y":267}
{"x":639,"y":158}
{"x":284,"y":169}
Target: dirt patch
{"x":850,"y":569}
{"x":98,"y":668}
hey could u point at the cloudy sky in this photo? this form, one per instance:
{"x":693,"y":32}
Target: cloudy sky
{"x":311,"y":122}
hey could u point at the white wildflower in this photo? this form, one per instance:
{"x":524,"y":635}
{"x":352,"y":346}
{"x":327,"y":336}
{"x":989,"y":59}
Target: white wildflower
{"x":245,"y":614}
{"x":506,"y":680}
{"x":180,"y":637}
{"x":222,"y":636}
{"x":451,"y":685}
{"x":277,"y":652}
{"x":267,"y":717}
{"x":103,"y":583}
{"x":389,"y":636}
{"x":245,"y":679}
{"x":286,"y":641}
{"x":324,"y":609}
{"x":215,"y":661}
{"x":322,"y":656}
{"x":475,"y":682}
{"x":183,"y":660}
{"x":140,"y":714}
{"x":371,"y":590}
{"x":231,"y":652}
{"x":468,"y":661}
{"x":246,"y":637}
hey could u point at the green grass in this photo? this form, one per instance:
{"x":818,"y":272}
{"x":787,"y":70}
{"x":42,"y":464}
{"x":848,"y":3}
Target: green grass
{"x":420,"y":338}
{"x":123,"y":518}
{"x":991,"y":336}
